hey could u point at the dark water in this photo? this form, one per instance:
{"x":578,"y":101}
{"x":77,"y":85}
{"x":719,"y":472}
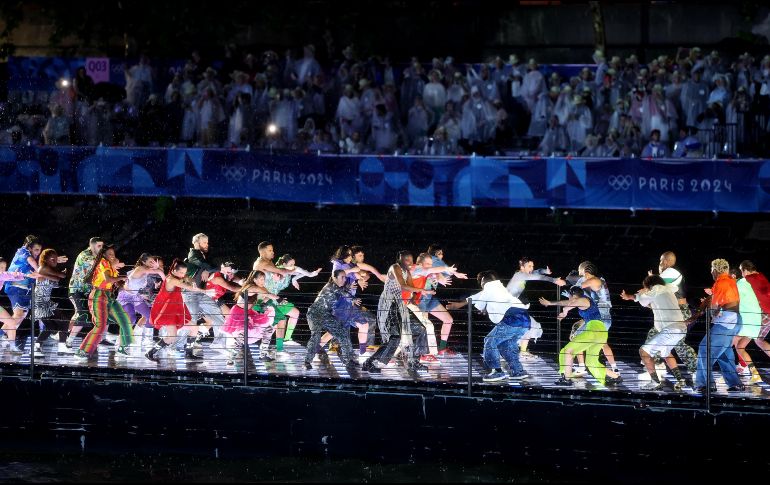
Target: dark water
{"x":164,"y":468}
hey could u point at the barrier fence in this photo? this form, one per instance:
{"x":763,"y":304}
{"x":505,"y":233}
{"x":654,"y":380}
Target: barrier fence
{"x":463,"y":367}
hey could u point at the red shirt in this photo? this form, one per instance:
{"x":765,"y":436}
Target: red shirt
{"x":761,"y":288}
{"x":724,"y":291}
{"x":219,"y":291}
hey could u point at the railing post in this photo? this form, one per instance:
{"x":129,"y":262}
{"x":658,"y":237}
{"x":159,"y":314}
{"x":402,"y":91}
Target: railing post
{"x":32,"y":338}
{"x":558,"y":325}
{"x":470,"y":346}
{"x":709,"y":363}
{"x":245,"y":337}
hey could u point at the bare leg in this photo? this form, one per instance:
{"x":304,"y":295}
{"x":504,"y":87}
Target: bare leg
{"x":648,"y":363}
{"x":446,"y":321}
{"x":740,"y":344}
{"x":326,"y":338}
{"x":12,"y":323}
{"x":609,"y":355}
{"x":363,"y":333}
{"x":568,"y":358}
{"x":280,"y":329}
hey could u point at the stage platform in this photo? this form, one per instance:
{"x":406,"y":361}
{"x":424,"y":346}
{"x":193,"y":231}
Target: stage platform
{"x":450,"y":376}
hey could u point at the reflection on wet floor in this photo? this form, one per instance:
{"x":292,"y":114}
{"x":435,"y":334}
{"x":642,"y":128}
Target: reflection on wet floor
{"x":450,"y":369}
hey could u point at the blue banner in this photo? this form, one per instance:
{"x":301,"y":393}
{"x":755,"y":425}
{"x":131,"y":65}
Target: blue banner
{"x":701,"y":185}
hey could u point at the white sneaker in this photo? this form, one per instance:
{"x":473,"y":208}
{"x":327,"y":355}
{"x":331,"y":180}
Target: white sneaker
{"x":740,"y":369}
{"x":745,"y":372}
{"x":38,"y":351}
{"x":644,"y":376}
{"x":62,"y":348}
{"x":651,"y":386}
{"x":578,"y":371}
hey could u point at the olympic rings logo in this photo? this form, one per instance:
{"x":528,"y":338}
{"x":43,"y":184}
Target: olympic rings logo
{"x":233,"y":173}
{"x":620,"y":182}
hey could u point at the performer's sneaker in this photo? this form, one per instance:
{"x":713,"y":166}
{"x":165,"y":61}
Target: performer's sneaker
{"x":579,"y":372}
{"x":121,"y":352}
{"x":651,"y":386}
{"x":373,"y":348}
{"x":755,"y":379}
{"x":644,"y":376}
{"x":352,"y":365}
{"x":152,"y":354}
{"x":105,"y":341}
{"x":39,"y":351}
{"x":680,"y":385}
{"x":308,"y":366}
{"x":429,"y":359}
{"x":417,"y":366}
{"x":265,"y":357}
{"x":494,"y":376}
{"x":81,"y":355}
{"x":611,"y":381}
{"x":738,"y":388}
{"x":702,"y":389}
{"x":189,"y":353}
{"x":68,"y":343}
{"x":564,"y":382}
{"x":742,"y":371}
{"x":516,"y":376}
{"x":370,"y":367}
{"x":446,"y":352}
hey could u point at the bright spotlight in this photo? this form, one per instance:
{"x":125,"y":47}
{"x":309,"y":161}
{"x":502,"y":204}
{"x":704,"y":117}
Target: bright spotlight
{"x":272,"y":129}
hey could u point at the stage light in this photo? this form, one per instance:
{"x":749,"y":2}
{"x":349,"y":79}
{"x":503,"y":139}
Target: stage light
{"x":272,"y":129}
{"x":64,"y":83}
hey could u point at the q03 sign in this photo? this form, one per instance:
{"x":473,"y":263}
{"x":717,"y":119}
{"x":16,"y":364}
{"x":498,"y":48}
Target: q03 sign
{"x":98,"y":68}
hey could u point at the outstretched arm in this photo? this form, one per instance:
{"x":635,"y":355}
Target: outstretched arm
{"x":372,"y":270}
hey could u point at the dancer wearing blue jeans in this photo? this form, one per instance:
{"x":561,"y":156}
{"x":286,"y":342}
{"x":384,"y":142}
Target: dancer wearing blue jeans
{"x":725,"y":301}
{"x":511,"y":321}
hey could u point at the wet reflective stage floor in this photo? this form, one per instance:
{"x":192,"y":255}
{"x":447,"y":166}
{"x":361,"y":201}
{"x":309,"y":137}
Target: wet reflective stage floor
{"x":450,"y":373}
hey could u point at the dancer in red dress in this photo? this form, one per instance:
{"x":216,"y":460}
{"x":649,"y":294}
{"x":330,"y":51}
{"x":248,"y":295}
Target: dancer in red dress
{"x":170,"y":315}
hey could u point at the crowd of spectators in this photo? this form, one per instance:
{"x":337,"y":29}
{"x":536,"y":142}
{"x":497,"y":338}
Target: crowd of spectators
{"x":613,"y":107}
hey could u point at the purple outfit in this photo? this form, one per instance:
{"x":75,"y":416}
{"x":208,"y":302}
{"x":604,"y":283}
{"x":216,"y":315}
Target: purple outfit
{"x":132,"y":301}
{"x":350,"y":278}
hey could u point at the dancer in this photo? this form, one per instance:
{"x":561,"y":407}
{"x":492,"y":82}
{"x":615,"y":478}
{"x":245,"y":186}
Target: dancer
{"x":591,"y":340}
{"x":131,"y":299}
{"x":80,"y":289}
{"x":669,"y":325}
{"x":596,"y":288}
{"x":9,"y":276}
{"x":351,"y":260}
{"x":751,"y":321}
{"x":19,"y":292}
{"x":358,"y":258}
{"x":169,"y":314}
{"x":260,"y":322}
{"x":427,"y":277}
{"x":221,"y":283}
{"x":393,"y":319}
{"x":47,"y":280}
{"x":102,"y":276}
{"x":333,"y":298}
{"x":260,"y":305}
{"x":200,"y":303}
{"x":675,"y":280}
{"x":286,"y":314}
{"x":516,"y":287}
{"x":761,"y":288}
{"x":511,"y":321}
{"x":724,"y":301}
{"x":352,"y":316}
{"x":275,"y":283}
